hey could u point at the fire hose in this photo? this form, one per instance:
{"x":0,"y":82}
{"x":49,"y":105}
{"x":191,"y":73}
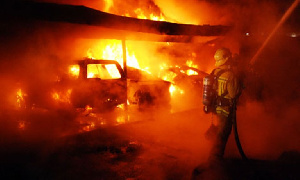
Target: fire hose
{"x":209,"y":104}
{"x":236,"y":135}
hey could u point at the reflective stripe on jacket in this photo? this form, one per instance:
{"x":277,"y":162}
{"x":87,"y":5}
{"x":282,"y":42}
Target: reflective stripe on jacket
{"x":228,"y":88}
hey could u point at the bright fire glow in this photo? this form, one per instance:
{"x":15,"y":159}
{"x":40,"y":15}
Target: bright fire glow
{"x":172,"y":89}
{"x":74,"y":70}
{"x":169,"y":75}
{"x":175,"y":90}
{"x":122,"y":106}
{"x":111,"y":49}
{"x":108,"y":4}
{"x":139,"y":12}
{"x":141,"y":15}
{"x":108,"y":71}
{"x":189,"y":63}
{"x":90,"y":75}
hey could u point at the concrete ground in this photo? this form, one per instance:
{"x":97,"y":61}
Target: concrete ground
{"x":146,"y":145}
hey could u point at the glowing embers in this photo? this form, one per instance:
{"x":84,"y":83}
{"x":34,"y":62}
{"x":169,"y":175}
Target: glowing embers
{"x":88,"y":126}
{"x":20,"y":95}
{"x":62,"y":96}
{"x":21,"y":125}
{"x":103,"y":71}
{"x":122,"y":106}
{"x":90,"y":119}
{"x":88,"y":108}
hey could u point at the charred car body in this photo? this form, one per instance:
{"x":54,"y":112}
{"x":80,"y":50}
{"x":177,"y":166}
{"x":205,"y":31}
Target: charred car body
{"x":99,"y":84}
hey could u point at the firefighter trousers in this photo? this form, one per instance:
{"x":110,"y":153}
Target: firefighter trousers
{"x":224,"y":128}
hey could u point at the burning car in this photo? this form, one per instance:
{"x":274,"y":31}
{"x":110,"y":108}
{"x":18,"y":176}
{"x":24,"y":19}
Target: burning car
{"x":187,"y":77}
{"x":98,"y":84}
{"x":187,"y":85}
{"x":146,"y":90}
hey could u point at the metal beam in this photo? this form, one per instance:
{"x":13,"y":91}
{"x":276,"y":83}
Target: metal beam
{"x":88,"y":16}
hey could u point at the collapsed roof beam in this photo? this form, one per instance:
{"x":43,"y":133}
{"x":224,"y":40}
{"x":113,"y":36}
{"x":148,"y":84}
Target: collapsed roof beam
{"x":89,"y":16}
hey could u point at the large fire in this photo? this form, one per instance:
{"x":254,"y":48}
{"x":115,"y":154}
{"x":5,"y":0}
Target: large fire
{"x":112,"y":49}
{"x":136,"y":10}
{"x":141,"y":15}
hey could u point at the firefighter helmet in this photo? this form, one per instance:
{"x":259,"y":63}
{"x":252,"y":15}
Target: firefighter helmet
{"x":221,"y":56}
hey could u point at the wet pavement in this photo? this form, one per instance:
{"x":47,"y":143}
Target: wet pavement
{"x":114,"y":145}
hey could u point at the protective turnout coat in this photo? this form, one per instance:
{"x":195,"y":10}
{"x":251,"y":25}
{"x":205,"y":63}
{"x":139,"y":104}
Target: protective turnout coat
{"x":228,"y":88}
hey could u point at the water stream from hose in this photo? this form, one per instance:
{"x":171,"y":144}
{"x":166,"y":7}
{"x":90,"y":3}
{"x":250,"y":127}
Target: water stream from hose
{"x":282,"y":20}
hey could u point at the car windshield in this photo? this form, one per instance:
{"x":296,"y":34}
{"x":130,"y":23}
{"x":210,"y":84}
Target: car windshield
{"x":103,"y":71}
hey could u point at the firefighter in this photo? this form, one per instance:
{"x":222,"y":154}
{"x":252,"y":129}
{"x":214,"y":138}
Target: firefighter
{"x":221,"y":90}
{"x":227,"y":90}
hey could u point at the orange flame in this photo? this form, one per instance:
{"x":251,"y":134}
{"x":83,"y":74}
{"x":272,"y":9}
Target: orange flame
{"x":141,"y":15}
{"x":62,"y":97}
{"x":20,"y":98}
{"x":21,"y":125}
{"x":88,"y":108}
{"x":74,"y":70}
{"x":111,"y":49}
{"x":190,"y":71}
{"x":89,"y":127}
{"x":108,"y":4}
{"x":175,"y":90}
{"x":139,"y":12}
{"x":101,"y":71}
